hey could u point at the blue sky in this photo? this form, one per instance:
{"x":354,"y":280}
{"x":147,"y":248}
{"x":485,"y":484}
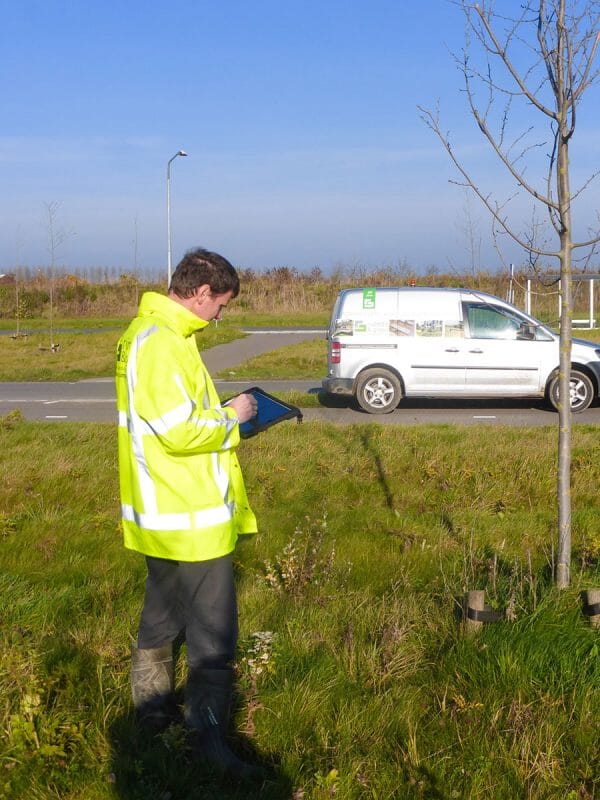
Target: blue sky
{"x":299,"y":116}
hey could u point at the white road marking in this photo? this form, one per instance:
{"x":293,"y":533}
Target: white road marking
{"x":70,"y":400}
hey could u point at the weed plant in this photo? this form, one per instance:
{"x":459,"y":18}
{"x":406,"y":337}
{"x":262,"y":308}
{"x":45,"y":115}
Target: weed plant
{"x":354,"y":675}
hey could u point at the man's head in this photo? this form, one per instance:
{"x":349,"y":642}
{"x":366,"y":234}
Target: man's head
{"x":204,"y":282}
{"x":201,"y":267}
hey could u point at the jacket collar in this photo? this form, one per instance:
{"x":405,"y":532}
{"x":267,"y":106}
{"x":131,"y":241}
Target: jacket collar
{"x":170,"y":313}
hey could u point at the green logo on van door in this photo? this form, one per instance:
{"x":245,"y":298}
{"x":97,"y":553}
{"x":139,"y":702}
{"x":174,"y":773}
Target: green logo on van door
{"x":368,"y":298}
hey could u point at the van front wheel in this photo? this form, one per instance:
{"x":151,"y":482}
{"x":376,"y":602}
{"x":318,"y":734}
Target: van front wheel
{"x":378,"y":391}
{"x":581,"y":391}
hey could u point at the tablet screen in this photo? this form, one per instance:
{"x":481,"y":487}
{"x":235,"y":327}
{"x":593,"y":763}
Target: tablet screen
{"x":270,"y":411}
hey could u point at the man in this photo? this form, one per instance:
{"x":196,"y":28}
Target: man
{"x":183,"y":500}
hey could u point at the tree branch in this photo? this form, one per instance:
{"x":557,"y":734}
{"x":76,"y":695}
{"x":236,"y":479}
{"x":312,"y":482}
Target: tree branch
{"x":503,"y":54}
{"x":432,"y":123}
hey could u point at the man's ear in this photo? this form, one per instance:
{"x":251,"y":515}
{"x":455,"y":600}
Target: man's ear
{"x":203,"y":291}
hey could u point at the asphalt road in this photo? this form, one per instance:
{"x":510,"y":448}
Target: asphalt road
{"x":94,"y":400}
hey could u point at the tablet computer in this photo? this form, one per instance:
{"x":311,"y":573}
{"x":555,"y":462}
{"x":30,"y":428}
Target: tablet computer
{"x":271,"y":410}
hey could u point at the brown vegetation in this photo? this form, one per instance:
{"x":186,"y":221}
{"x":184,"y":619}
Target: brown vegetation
{"x":272,"y":291}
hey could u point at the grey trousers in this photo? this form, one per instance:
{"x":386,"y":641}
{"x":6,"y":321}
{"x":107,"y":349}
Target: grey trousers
{"x":196,"y":599}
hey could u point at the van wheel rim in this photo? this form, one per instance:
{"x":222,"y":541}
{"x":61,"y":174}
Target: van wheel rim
{"x":577,"y":393}
{"x":379,"y":393}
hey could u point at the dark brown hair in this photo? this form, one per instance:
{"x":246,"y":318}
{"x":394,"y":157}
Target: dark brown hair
{"x":199,"y":267}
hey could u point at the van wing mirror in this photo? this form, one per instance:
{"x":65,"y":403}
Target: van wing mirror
{"x":526,"y":332}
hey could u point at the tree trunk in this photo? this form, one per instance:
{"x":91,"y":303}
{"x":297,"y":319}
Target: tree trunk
{"x":564,"y":408}
{"x":565,"y":431}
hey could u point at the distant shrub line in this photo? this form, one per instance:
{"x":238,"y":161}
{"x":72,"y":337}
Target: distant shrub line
{"x":33,"y":294}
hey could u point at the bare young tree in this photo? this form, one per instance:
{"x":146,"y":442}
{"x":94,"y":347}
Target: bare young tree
{"x":56,"y":238}
{"x":18,"y":279}
{"x":524,"y":74}
{"x":469,"y":229}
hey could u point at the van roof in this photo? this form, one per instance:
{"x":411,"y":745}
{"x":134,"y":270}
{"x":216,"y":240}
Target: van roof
{"x":428,"y":289}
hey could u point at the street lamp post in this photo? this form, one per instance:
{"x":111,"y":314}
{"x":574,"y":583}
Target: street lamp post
{"x":178,"y":153}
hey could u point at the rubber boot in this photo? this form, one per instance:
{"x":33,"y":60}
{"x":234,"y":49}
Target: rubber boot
{"x":207,"y":707}
{"x":152,"y":685}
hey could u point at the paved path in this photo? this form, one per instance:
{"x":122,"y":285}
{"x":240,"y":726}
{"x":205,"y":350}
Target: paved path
{"x":227,"y":356}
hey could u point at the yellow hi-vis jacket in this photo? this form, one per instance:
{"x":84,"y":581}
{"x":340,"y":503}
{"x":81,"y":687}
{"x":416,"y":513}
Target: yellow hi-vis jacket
{"x":182,"y":492}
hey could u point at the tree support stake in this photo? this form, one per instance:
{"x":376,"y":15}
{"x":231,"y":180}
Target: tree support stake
{"x":591,"y":606}
{"x":476,"y":613}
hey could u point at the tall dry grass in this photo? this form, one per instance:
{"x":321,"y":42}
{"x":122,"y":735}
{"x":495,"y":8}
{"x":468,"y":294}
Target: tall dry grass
{"x":40,"y":294}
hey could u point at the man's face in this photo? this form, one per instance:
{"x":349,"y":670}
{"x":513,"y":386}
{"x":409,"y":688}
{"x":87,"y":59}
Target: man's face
{"x":208,"y":306}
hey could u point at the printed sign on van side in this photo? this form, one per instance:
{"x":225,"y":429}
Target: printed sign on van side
{"x":369,"y":298}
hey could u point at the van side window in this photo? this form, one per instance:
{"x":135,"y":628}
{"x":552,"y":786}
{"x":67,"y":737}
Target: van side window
{"x":489,"y":322}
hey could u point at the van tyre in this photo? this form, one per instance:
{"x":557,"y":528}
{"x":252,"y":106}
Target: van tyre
{"x":581,"y":391}
{"x":378,"y":391}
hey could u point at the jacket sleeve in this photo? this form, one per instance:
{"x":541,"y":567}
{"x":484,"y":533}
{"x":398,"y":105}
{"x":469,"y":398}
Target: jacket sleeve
{"x":175,"y":399}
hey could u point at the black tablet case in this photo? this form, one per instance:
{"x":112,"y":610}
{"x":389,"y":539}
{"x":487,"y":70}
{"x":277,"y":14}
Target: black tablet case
{"x":271,"y":410}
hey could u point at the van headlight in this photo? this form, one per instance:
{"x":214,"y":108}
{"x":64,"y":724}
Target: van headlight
{"x":597,"y":352}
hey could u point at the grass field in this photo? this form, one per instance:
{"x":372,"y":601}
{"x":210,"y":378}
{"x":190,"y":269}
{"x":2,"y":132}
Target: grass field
{"x":92,"y":355}
{"x":355,"y":678}
{"x":79,"y":354}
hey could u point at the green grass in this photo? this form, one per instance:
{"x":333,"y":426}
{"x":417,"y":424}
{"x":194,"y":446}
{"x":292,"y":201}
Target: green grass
{"x":299,"y":398}
{"x":303,"y":361}
{"x":71,"y":323}
{"x":587,"y":335}
{"x":293,"y":319}
{"x":370,"y":689}
{"x":92,"y":355}
{"x":233,"y":317}
{"x":79,"y":355}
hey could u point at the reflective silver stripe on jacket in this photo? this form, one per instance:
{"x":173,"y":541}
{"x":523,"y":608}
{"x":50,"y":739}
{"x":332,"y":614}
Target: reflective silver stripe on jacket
{"x":137,"y":426}
{"x":179,"y":522}
{"x":175,"y":416}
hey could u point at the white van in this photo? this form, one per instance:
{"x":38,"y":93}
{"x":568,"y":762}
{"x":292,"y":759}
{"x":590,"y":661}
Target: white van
{"x":386,"y":344}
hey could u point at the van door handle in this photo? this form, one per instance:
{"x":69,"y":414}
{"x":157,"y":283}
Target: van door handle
{"x":476,"y":351}
{"x":452,"y":350}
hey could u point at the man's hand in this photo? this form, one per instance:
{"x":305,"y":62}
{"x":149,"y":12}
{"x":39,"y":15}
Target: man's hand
{"x":245,"y":406}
